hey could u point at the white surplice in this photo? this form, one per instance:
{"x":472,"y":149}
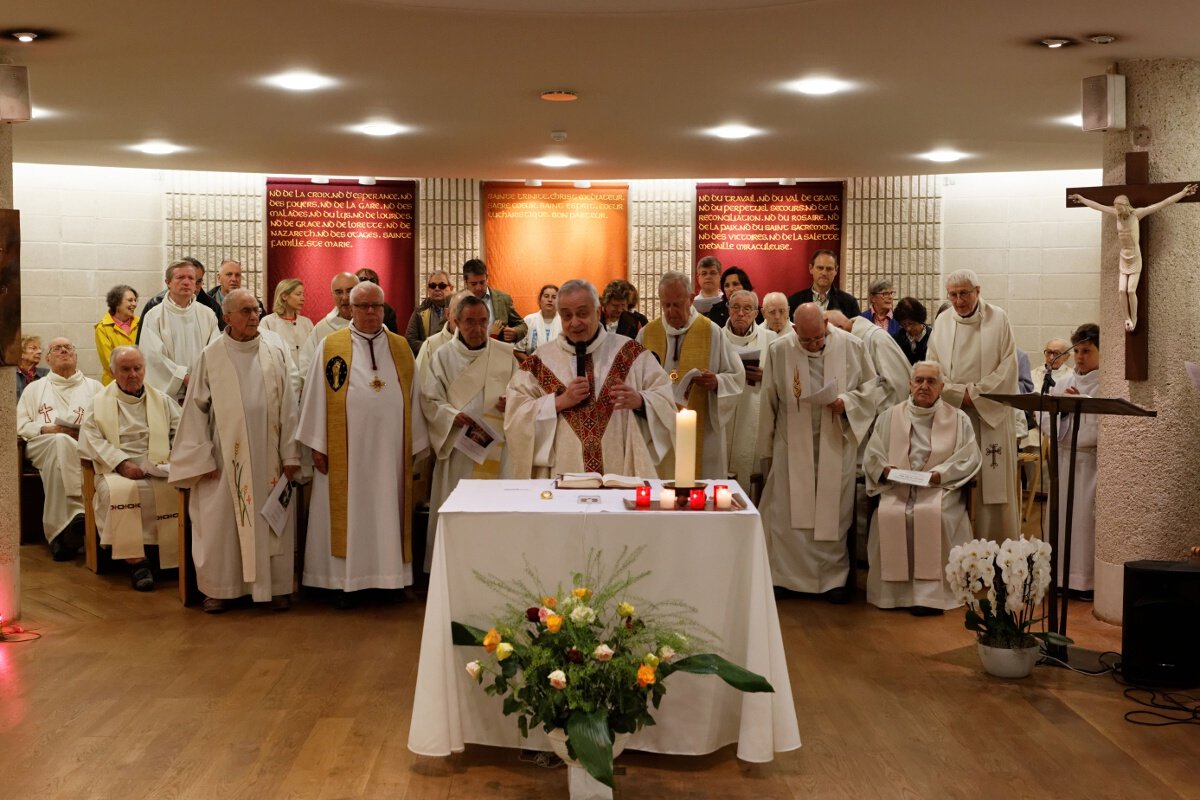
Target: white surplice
{"x":978,"y":355}
{"x":540,"y":331}
{"x":376,"y":467}
{"x":806,"y":538}
{"x":743,"y":427}
{"x":330,"y":323}
{"x":958,"y":468}
{"x":542,"y":442}
{"x":56,"y":455}
{"x":262,"y":372}
{"x":1083,"y":519}
{"x":722,"y":402}
{"x":172,"y":339}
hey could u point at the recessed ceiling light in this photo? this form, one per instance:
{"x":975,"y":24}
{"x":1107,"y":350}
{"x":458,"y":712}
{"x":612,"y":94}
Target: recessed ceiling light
{"x":733,"y":131}
{"x":819,"y":86}
{"x":1102,"y":38}
{"x":1055,"y":42}
{"x":556,"y":161}
{"x":943,"y":156}
{"x":157,"y":148}
{"x":560,"y":96}
{"x":1074,"y":120}
{"x":300,"y":81}
{"x":24,"y":36}
{"x":380,"y":128}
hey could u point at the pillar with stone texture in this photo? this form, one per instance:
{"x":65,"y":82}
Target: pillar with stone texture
{"x":1148,"y":492}
{"x":10,"y":523}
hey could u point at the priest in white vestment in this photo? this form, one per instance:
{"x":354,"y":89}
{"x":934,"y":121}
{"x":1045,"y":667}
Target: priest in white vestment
{"x":973,"y":342}
{"x":336,"y":320}
{"x":750,"y":341}
{"x":914,"y":527}
{"x":127,"y":433}
{"x":462,"y":398}
{"x":49,"y":414}
{"x":819,"y":397}
{"x":891,"y":366}
{"x":357,"y":417}
{"x":588,"y":401}
{"x":1083,"y":381}
{"x":684,"y":340}
{"x":173,"y":333}
{"x":236,"y":441}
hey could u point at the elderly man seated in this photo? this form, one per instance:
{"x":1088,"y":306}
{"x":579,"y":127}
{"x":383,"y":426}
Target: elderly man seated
{"x":49,"y":414}
{"x":127,"y":434}
{"x":915,"y":527}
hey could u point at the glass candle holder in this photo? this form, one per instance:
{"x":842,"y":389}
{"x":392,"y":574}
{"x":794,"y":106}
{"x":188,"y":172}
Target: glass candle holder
{"x":696,"y":500}
{"x":717,"y":487}
{"x":666,"y":500}
{"x":724,"y":498}
{"x":643,"y":497}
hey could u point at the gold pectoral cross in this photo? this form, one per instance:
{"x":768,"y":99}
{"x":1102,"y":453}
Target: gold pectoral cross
{"x":797,"y":387}
{"x":376,"y":384}
{"x":674,"y":375}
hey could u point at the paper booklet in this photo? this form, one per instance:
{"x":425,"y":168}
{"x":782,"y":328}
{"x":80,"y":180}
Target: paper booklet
{"x":476,"y":439}
{"x":594,"y":480}
{"x":910,"y":477}
{"x":750,"y":356}
{"x":155,"y":470}
{"x":278,"y":507}
{"x":827,"y":394}
{"x":681,"y":388}
{"x":67,"y":423}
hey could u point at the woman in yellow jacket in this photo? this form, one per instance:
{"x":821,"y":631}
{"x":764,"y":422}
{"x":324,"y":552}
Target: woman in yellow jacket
{"x":119,"y":326}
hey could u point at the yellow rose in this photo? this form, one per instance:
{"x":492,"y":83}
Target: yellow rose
{"x":650,"y":659}
{"x":645,"y":675}
{"x":503,"y":651}
{"x":550,"y":602}
{"x":554,"y":623}
{"x":491,"y":640}
{"x":583,"y":593}
{"x":624,"y":609}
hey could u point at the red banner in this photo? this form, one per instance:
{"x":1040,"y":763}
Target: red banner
{"x":770,"y":231}
{"x":315,"y":231}
{"x":534,"y":235}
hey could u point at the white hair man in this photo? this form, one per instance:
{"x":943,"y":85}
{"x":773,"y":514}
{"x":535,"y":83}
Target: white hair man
{"x":462,"y":398}
{"x":775,"y":312}
{"x":915,"y":526}
{"x":687,"y":343}
{"x":127,"y":434}
{"x":357,"y":416}
{"x":974,"y":344}
{"x":588,"y":401}
{"x":49,"y":414}
{"x":751,"y":341}
{"x":336,"y":320}
{"x":819,"y":400}
{"x":173,"y":333}
{"x":236,"y":441}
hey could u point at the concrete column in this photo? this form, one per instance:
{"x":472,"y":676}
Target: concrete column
{"x":1148,"y":491}
{"x":10,"y":524}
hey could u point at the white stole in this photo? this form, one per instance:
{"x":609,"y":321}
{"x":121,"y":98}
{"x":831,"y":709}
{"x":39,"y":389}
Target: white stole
{"x":807,"y":513}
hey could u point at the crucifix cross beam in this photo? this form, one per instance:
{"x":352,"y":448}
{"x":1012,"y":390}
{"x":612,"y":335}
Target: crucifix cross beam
{"x":1141,"y":193}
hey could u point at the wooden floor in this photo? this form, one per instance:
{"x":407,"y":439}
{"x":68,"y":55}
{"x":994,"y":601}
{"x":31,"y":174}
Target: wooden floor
{"x":131,"y":696}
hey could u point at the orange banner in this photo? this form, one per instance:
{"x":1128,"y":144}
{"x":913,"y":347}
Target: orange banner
{"x":534,"y":235}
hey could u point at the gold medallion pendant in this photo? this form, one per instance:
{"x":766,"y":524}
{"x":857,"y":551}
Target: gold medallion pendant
{"x":376,"y":384}
{"x":674,"y":376}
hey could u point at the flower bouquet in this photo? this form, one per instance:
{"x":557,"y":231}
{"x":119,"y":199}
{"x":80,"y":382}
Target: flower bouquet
{"x":590,"y":661}
{"x":1003,"y":585}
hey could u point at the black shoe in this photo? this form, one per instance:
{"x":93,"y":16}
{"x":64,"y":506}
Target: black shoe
{"x":59,"y":549}
{"x":75,"y":532}
{"x":925,"y":611}
{"x":141,"y":576}
{"x":838,"y":597}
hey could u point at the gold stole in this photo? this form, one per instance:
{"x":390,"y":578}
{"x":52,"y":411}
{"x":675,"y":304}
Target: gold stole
{"x":693,"y":354}
{"x":338,"y":354}
{"x":124,"y":518}
{"x":927,"y":511}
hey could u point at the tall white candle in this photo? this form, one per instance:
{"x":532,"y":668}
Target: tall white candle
{"x":685,"y":449}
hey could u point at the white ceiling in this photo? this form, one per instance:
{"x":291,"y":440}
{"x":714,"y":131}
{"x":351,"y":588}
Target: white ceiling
{"x":652,"y":75}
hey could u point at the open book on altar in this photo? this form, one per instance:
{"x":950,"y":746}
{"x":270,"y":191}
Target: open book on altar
{"x":594,"y":480}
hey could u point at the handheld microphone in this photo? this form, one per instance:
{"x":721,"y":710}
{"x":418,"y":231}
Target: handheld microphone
{"x":581,"y":359}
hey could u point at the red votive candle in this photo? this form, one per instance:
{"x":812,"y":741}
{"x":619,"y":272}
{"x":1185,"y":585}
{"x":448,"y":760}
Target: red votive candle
{"x":643,"y":497}
{"x":696,"y":500}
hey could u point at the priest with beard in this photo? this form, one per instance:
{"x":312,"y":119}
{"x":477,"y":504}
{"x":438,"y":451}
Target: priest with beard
{"x":588,"y":401}
{"x":357,"y":416}
{"x":914,"y":527}
{"x":462,"y":391}
{"x":750,"y":340}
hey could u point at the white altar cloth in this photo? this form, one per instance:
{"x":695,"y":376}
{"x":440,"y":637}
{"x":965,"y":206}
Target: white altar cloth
{"x":715,"y":561}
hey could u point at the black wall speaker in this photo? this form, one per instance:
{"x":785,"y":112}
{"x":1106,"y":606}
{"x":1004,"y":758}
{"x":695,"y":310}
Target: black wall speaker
{"x":1160,"y":641}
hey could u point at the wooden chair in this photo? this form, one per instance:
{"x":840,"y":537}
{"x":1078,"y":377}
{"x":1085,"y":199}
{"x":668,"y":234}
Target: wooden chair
{"x":1024,"y":458}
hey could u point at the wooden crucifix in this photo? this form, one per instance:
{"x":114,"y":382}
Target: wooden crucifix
{"x":1145,"y":197}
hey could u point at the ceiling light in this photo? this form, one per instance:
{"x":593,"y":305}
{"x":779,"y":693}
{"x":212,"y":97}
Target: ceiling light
{"x":157,"y":148}
{"x":1054,"y":42}
{"x":560,"y":96}
{"x":556,"y":161}
{"x":380,"y":128}
{"x":300,"y":81}
{"x":1102,"y":38}
{"x":318,"y":180}
{"x":819,"y":86}
{"x":1074,"y":120}
{"x":733,"y":131}
{"x":366,"y":181}
{"x":943,"y":156}
{"x":24,"y":36}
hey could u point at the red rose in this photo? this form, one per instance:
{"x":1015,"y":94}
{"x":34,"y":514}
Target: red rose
{"x":575,"y":656}
{"x":531,"y":613}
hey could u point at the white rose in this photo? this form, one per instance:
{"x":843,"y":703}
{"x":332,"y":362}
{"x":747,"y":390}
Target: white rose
{"x":582,"y":615}
{"x":474,"y":670}
{"x":602,"y":653}
{"x":666,"y":653}
{"x":558,"y":679}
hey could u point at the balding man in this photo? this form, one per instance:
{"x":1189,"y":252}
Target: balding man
{"x":974,"y":344}
{"x":229,"y":277}
{"x":775,"y":312}
{"x":337,"y":319}
{"x":915,"y":527}
{"x":49,"y":414}
{"x":173,"y":333}
{"x":1058,"y":359}
{"x":127,"y":433}
{"x":683,"y":340}
{"x":818,"y":404}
